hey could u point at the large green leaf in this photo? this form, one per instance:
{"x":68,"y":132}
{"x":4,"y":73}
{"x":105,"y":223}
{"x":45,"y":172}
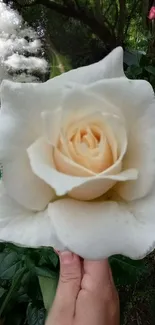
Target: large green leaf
{"x":45,"y":272}
{"x":9,"y":264}
{"x":150,"y":69}
{"x":48,"y":288}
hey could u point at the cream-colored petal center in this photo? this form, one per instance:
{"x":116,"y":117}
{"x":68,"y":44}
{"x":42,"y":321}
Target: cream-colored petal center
{"x":91,"y":145}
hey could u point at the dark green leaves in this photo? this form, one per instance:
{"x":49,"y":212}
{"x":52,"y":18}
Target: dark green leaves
{"x":125,"y":270}
{"x":35,"y":316}
{"x":21,"y":269}
{"x":144,"y":69}
{"x":9,"y":264}
{"x":150,"y":69}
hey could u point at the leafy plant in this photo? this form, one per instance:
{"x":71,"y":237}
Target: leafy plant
{"x":144,"y":69}
{"x":21,"y":271}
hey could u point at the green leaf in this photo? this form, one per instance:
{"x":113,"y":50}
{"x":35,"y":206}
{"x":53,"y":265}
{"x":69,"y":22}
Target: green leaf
{"x":126,"y":271}
{"x":48,"y":257}
{"x":53,"y":257}
{"x":30,"y":284}
{"x":45,"y":272}
{"x":9,"y":264}
{"x":134,"y":71}
{"x":35,"y":316}
{"x":60,"y":64}
{"x":14,"y":287}
{"x":48,"y":288}
{"x":150,"y":69}
{"x":2,"y":291}
{"x":22,"y":295}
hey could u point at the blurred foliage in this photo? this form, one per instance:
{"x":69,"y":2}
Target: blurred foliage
{"x":86,"y":30}
{"x":145,"y":69}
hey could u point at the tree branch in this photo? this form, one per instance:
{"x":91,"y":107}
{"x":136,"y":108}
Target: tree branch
{"x":116,"y":16}
{"x":102,"y":31}
{"x":100,"y":17}
{"x":121,"y":25}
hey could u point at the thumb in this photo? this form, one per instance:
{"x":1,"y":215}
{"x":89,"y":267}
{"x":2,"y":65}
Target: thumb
{"x":68,"y":288}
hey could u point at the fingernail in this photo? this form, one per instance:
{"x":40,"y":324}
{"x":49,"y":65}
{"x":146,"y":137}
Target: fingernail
{"x":66,"y":257}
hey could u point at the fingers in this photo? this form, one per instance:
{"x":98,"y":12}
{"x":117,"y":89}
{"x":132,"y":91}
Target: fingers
{"x":96,"y":274}
{"x":68,"y":288}
{"x":98,"y":301}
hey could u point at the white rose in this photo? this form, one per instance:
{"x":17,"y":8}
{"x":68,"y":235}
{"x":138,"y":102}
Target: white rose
{"x":78,"y":161}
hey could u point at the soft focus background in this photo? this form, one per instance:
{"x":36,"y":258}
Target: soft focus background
{"x":43,"y":39}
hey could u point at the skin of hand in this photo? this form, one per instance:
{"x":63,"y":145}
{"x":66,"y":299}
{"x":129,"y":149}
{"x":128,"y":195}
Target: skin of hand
{"x":86,"y":294}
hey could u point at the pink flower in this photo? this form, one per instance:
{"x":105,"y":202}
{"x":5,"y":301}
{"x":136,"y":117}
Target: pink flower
{"x":152,"y":13}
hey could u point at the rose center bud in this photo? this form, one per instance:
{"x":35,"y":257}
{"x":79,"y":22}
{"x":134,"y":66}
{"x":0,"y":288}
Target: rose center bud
{"x":87,"y":146}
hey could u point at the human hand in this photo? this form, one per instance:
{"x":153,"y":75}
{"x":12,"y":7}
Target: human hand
{"x":86,"y":294}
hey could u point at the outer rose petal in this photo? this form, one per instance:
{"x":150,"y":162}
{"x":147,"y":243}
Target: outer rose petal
{"x":98,"y":230}
{"x":137,"y":103}
{"x":24,"y":227}
{"x":20,"y":119}
{"x":92,"y":230}
{"x":24,"y":186}
{"x":132,"y":97}
{"x":22,"y":103}
{"x":140,"y":155}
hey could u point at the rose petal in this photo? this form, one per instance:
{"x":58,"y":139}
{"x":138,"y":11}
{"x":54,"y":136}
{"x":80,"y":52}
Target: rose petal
{"x":132,"y":97}
{"x":24,"y":186}
{"x":97,"y":230}
{"x":41,"y":160}
{"x":69,"y":167}
{"x":24,"y":227}
{"x":96,"y":187}
{"x":107,"y":227}
{"x":25,"y":101}
{"x":140,"y":155}
{"x":79,"y":102}
{"x":20,"y":119}
{"x":110,"y":67}
{"x":51,"y":122}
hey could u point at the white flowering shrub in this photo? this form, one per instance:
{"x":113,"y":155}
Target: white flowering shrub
{"x":21,"y":52}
